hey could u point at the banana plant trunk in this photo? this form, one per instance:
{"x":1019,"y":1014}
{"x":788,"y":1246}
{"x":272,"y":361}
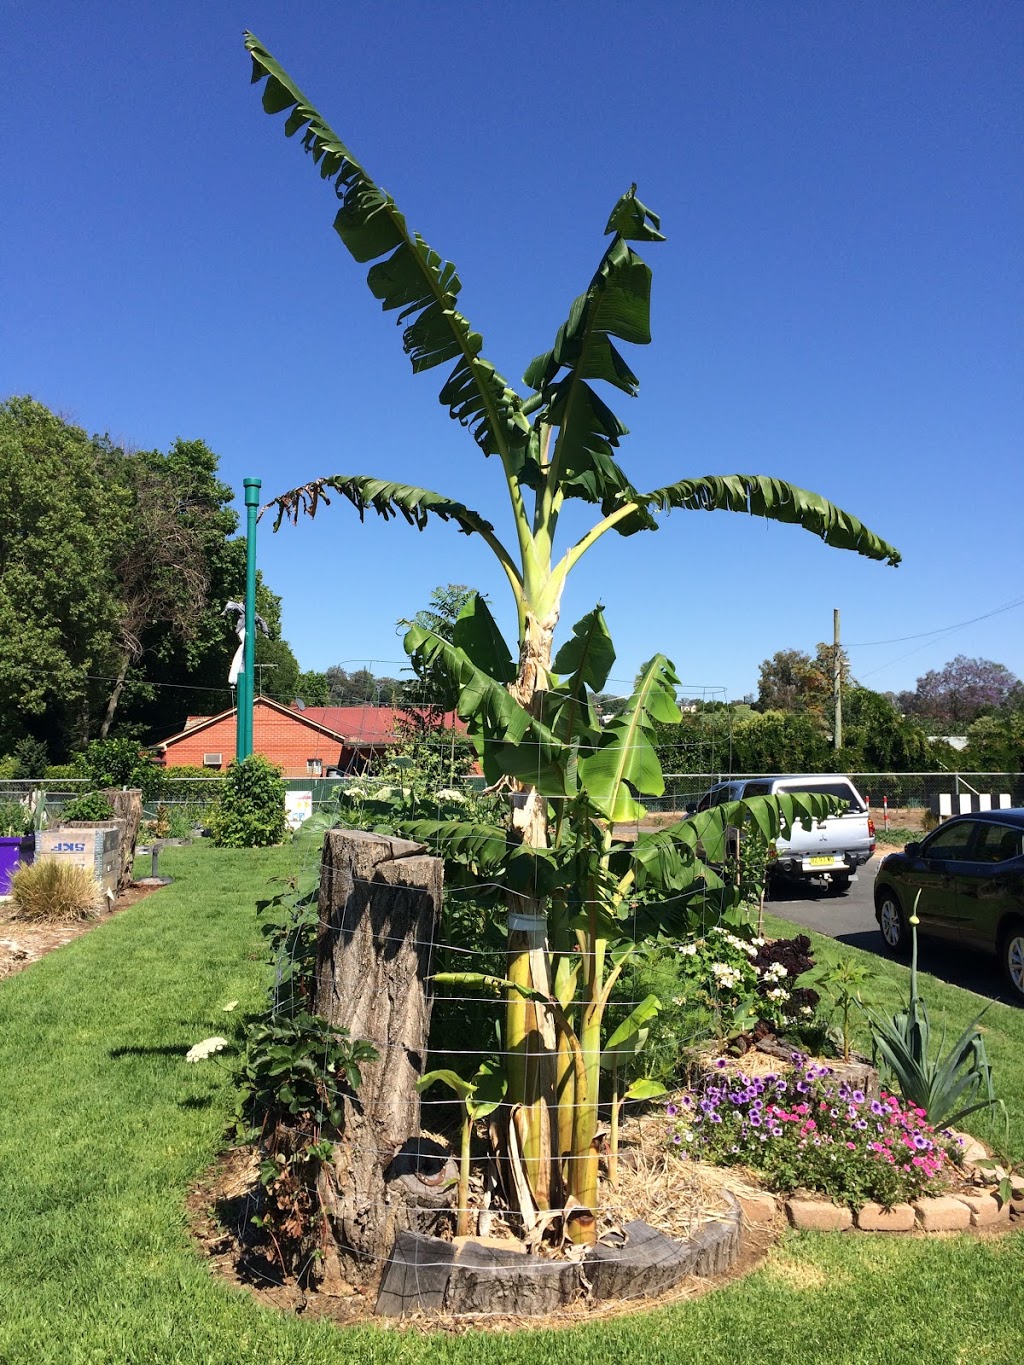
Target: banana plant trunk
{"x":531,"y":1040}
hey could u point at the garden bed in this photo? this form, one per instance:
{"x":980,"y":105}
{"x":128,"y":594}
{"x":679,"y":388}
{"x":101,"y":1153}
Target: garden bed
{"x":669,"y":1231}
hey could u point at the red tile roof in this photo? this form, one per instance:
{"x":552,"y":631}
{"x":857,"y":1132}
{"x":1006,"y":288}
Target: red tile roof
{"x":366,"y":724}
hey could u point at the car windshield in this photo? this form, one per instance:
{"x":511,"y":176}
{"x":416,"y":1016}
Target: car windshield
{"x":838,"y":788}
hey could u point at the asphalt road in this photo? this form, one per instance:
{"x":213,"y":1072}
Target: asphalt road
{"x":851,"y":919}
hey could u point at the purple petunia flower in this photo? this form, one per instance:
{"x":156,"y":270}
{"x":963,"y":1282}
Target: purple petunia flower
{"x":671,"y":1110}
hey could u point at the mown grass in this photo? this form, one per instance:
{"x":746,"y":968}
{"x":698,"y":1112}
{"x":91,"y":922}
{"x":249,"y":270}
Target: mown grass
{"x":105,"y":1127}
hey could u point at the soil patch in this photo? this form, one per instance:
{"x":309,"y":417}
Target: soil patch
{"x":23,"y":942}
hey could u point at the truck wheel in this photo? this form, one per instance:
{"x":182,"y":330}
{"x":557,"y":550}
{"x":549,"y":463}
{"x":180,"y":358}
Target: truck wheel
{"x":839,"y":884}
{"x":892,"y":923}
{"x":1013,"y":957}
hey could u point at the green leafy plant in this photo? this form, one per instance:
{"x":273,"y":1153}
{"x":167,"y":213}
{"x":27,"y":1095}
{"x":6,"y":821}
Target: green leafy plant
{"x":91,"y":806}
{"x":16,"y":819}
{"x":118,"y":763}
{"x":480,"y":1096}
{"x":54,"y":890}
{"x":947,"y":1085}
{"x":1008,"y":1175}
{"x":250,"y":810}
{"x":553,"y":445}
{"x":847,"y":984}
{"x":296,"y":1067}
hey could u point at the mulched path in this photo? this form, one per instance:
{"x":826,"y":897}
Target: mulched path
{"x":22,"y":943}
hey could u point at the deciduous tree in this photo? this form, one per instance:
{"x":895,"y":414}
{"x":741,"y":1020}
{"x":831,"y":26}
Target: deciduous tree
{"x":952,"y":697}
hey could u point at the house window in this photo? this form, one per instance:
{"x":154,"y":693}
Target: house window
{"x":212,"y":760}
{"x":314,"y":767}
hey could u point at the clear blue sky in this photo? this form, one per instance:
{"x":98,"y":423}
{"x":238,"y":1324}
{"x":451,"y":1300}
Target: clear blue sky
{"x":838,"y":303}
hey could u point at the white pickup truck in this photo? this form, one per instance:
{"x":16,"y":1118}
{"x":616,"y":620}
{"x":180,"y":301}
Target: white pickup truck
{"x":833,"y":848}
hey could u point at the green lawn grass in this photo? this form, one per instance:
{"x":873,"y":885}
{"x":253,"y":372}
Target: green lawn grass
{"x":105,"y":1126}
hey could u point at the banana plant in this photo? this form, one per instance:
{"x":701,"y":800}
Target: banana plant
{"x":555,"y":441}
{"x":621,"y":1049}
{"x":480,"y":1096}
{"x":603,"y":891}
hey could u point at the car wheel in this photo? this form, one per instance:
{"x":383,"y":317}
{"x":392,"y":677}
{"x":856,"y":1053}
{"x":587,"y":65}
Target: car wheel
{"x":839,"y":884}
{"x":1013,"y":957}
{"x":892,"y":923}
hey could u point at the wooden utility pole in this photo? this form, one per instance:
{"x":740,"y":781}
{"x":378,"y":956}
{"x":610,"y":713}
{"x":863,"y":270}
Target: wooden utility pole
{"x":837,"y":680}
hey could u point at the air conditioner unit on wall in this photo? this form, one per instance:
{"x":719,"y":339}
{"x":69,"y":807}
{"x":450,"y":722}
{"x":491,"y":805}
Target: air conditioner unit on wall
{"x":212,"y":760}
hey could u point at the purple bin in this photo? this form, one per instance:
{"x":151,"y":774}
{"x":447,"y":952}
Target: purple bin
{"x":13,"y":851}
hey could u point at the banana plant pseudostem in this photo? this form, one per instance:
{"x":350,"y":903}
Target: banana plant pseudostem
{"x":555,"y":442}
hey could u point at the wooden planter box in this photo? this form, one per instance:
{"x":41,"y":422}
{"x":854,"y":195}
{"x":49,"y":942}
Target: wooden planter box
{"x":97,"y":847}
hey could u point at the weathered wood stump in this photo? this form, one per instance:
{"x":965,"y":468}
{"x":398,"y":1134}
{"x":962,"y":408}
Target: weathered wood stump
{"x":127,"y":807}
{"x":380,"y":900}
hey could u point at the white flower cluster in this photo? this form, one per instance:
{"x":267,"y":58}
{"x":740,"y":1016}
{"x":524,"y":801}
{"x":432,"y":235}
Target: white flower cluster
{"x":741,"y":945}
{"x":725,"y":975}
{"x":779,"y":993}
{"x":200,"y":1051}
{"x":688,"y":949}
{"x":450,"y":794}
{"x":775,"y":971}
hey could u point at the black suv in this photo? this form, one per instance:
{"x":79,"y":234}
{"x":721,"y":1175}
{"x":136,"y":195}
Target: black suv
{"x":970,"y":876}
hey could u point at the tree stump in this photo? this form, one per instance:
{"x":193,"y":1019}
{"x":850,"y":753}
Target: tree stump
{"x":127,"y":816}
{"x":380,"y":901}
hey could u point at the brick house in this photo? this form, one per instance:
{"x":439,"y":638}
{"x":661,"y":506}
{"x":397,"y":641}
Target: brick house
{"x":303,"y":742}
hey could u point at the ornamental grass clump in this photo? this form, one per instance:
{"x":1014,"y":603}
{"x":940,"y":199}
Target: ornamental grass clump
{"x":807,"y":1130}
{"x":54,"y":891}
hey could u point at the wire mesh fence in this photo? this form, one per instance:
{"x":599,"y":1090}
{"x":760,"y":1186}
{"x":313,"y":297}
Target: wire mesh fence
{"x":914,"y":791}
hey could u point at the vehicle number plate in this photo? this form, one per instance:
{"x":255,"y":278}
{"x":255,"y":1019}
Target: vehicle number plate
{"x":822,"y":862}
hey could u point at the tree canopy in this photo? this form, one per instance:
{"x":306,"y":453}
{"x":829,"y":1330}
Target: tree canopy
{"x":115,"y":565}
{"x":951,"y":698}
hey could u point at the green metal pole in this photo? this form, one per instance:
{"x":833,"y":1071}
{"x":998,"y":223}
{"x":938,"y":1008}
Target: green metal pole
{"x":252,"y":502}
{"x":239,"y":717}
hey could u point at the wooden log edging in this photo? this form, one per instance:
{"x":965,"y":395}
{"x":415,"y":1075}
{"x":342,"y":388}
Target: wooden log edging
{"x":473,"y":1278}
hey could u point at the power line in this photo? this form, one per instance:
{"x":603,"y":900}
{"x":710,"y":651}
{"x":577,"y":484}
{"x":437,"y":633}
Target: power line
{"x":940,"y":630}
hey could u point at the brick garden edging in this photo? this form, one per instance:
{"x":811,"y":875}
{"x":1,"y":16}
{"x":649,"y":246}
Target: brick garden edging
{"x":956,"y":1212}
{"x":931,"y":1213}
{"x":962,"y":1211}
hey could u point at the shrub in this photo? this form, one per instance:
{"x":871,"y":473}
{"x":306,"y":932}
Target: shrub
{"x":92,"y":806}
{"x":250,"y":812}
{"x":56,"y":891}
{"x":119,"y":763}
{"x":15,"y":818}
{"x":807,"y":1130}
{"x":748,"y":984}
{"x":32,"y":757}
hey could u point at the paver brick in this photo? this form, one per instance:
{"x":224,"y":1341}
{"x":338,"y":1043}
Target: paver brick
{"x":942,"y":1213}
{"x":985,"y":1209}
{"x":874,"y":1218}
{"x":818,"y":1215}
{"x":756,"y":1206}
